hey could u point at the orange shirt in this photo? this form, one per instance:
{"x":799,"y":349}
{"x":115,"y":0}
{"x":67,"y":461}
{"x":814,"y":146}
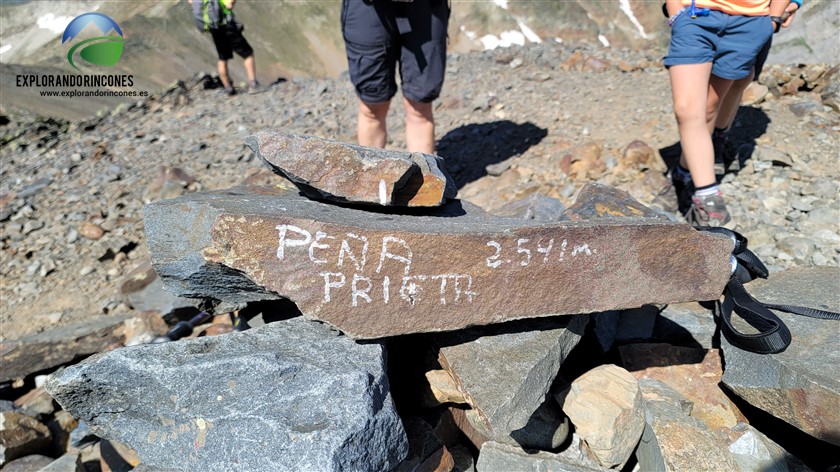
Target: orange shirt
{"x":735,"y":7}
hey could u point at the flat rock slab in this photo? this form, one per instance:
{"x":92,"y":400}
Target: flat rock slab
{"x":505,"y":375}
{"x":344,"y":172}
{"x":292,"y":395}
{"x":802,"y":384}
{"x":58,"y":346}
{"x":375,"y":275}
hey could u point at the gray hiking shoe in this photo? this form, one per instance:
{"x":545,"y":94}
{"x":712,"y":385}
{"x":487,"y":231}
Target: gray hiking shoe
{"x":255,"y":87}
{"x":708,"y":210}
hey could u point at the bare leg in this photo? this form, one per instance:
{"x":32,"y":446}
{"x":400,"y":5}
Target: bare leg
{"x":689,"y":86}
{"x":419,"y":126}
{"x":718,"y":90}
{"x":251,"y":68}
{"x":730,"y":103}
{"x":371,"y":128}
{"x":221,"y":66}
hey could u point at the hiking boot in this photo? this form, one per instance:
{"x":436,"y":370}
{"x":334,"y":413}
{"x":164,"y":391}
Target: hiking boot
{"x":708,"y":210}
{"x":684,"y":191}
{"x":719,"y":145}
{"x":255,"y":87}
{"x":726,"y":156}
{"x":230,"y":91}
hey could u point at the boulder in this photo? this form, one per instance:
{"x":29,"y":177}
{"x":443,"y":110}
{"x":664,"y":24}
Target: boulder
{"x":802,"y":384}
{"x":291,"y":395}
{"x":505,"y":374}
{"x":605,"y":406}
{"x":350,"y":173}
{"x":374,"y":275}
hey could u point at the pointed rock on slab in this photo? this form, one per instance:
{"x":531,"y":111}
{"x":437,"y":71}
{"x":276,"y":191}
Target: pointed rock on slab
{"x":802,"y":384}
{"x":292,"y":395}
{"x":374,"y":275}
{"x":350,"y":173}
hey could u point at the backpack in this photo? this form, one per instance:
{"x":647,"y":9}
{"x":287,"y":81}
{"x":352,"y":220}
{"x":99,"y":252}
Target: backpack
{"x":209,"y":14}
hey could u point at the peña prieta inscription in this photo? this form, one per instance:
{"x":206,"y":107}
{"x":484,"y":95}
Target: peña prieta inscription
{"x":374,"y":274}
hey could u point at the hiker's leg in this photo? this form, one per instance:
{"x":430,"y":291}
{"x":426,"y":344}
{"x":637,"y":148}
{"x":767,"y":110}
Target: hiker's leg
{"x":718,"y":90}
{"x":689,"y":86}
{"x":251,"y":68}
{"x":730,"y":103}
{"x":372,"y":130}
{"x":419,"y":126}
{"x":223,"y":73}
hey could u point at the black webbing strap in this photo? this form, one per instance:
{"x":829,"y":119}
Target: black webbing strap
{"x":773,"y":335}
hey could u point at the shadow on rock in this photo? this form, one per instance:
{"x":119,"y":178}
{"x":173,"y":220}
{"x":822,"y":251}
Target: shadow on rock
{"x":469,"y":149}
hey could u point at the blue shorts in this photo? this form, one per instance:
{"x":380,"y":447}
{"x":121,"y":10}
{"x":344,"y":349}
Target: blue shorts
{"x":730,"y":42}
{"x":380,"y":34}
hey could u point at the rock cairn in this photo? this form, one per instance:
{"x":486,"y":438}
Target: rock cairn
{"x":479,"y":314}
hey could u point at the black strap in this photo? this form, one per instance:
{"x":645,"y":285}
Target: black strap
{"x":773,"y":335}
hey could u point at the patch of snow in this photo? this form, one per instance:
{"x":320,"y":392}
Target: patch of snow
{"x":558,"y":40}
{"x":469,"y":34}
{"x":528,"y":32}
{"x":501,"y":3}
{"x":604,"y":40}
{"x":55,"y":24}
{"x":628,"y":10}
{"x":5,"y":48}
{"x":504,"y":40}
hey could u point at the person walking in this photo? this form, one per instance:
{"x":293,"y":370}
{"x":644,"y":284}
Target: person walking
{"x":217,"y":18}
{"x":713,"y":43}
{"x":380,"y":35}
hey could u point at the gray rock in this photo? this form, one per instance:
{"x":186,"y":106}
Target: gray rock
{"x":497,"y":457}
{"x":59,"y":346}
{"x":143,"y":290}
{"x":69,"y":462}
{"x":675,"y":441}
{"x":292,"y":395}
{"x":802,"y":384}
{"x":800,"y":248}
{"x":685,"y":324}
{"x":825,"y":215}
{"x":534,"y":207}
{"x":27,"y":463}
{"x":755,"y":451}
{"x":34,"y":188}
{"x":515,"y":370}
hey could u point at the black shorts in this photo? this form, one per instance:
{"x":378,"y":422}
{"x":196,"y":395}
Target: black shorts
{"x":378,"y":34}
{"x":229,"y":40}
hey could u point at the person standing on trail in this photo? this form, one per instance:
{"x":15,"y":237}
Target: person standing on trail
{"x":216,"y":17}
{"x":713,"y":44}
{"x":379,"y":35}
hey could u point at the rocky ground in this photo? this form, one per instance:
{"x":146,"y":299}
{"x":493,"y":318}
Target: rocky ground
{"x":511,"y":123}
